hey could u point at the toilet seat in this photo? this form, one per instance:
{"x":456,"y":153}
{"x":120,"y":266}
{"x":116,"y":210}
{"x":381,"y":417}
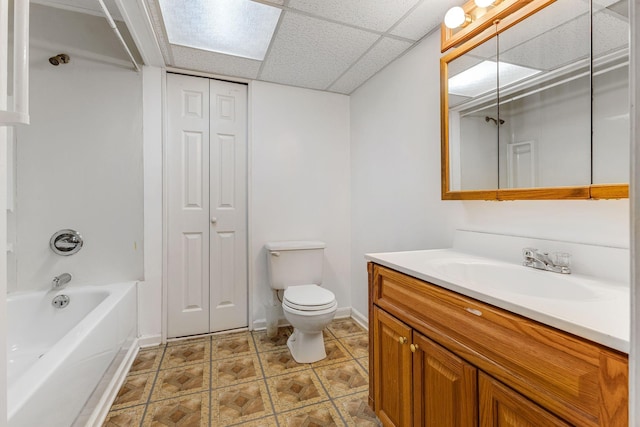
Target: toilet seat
{"x":308,"y":298}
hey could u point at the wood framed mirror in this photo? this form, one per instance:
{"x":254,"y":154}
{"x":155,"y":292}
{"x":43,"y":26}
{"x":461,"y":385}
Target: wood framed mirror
{"x":536,"y":106}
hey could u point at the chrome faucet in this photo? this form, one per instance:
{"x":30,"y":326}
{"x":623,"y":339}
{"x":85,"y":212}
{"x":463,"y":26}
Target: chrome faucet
{"x":557,"y":262}
{"x":60,"y":281}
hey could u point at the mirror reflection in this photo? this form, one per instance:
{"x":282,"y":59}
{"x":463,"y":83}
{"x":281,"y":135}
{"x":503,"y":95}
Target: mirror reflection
{"x":520,"y":105}
{"x":473,"y":115}
{"x":545,"y":138}
{"x":610,"y":92}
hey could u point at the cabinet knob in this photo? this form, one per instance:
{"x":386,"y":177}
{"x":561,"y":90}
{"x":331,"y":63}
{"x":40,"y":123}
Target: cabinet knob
{"x":402,"y":340}
{"x":414,"y":348}
{"x":214,"y":220}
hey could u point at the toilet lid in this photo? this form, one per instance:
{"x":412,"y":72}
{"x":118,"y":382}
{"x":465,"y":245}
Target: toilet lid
{"x":308,"y":297}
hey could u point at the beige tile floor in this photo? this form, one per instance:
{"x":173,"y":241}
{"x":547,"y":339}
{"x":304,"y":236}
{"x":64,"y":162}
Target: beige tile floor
{"x":248,"y":379}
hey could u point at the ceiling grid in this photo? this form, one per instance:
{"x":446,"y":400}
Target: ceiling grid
{"x":331,"y":45}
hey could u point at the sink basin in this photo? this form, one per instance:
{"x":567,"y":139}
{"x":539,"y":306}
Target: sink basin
{"x":515,"y":279}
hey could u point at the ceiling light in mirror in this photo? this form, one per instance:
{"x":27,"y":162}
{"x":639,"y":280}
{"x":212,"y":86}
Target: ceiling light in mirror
{"x":234,"y":27}
{"x":481,"y":78}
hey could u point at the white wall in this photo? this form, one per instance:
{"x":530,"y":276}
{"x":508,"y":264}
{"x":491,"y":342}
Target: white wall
{"x":611,"y":126}
{"x":150,"y":290}
{"x":395,"y":164}
{"x":598,"y":222}
{"x":395,"y":151}
{"x":299,"y":181}
{"x":79,"y":166}
{"x":3,"y":266}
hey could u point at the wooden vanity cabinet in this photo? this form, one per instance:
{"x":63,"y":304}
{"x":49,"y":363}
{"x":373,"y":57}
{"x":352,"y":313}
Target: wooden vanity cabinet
{"x":439,"y":358}
{"x":502,"y":407}
{"x":444,"y":386}
{"x":417,"y":382}
{"x":392,"y":367}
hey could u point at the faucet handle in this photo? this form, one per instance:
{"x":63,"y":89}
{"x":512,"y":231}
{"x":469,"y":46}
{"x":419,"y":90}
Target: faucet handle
{"x":529,"y":252}
{"x":561,"y":259}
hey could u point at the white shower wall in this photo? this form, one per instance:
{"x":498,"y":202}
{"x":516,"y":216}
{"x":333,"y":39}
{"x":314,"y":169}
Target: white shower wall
{"x":79,"y":166}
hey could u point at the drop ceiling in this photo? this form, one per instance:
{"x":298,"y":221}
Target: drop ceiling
{"x":332,"y":45}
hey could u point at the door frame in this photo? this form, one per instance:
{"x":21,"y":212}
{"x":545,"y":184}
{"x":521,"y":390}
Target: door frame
{"x":165,"y":198}
{"x":512,"y":165}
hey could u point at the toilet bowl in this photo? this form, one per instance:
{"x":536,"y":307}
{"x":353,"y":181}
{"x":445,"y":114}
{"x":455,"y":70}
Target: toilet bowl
{"x":296,"y":267}
{"x":309,"y":309}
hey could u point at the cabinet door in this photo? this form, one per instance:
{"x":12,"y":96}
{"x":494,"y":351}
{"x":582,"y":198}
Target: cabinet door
{"x":391,"y":370}
{"x":444,"y":387}
{"x":502,"y":407}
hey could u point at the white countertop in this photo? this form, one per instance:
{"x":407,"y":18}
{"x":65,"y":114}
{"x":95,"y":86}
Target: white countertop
{"x":604,"y":317}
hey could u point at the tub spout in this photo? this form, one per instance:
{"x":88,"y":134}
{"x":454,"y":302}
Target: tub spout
{"x":60,"y":281}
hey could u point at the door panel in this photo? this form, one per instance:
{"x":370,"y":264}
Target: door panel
{"x":445,"y":387}
{"x":502,"y":407}
{"x":187,"y":163}
{"x":192,"y":280}
{"x":391,"y":370}
{"x":228,"y":205}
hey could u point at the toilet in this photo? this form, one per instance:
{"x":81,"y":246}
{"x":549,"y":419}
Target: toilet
{"x":296,"y":268}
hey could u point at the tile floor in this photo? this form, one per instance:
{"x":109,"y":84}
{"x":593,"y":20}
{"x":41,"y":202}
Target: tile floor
{"x":248,"y":379}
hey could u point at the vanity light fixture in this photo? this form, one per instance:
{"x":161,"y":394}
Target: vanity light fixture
{"x":462,"y":23}
{"x":456,"y":18}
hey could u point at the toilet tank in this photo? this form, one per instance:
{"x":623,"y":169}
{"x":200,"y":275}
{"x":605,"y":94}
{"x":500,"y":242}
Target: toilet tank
{"x":294,"y":263}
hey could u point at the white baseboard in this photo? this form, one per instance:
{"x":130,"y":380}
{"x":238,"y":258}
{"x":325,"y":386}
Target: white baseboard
{"x":343,"y":312}
{"x":261,"y":324}
{"x":149,"y":341}
{"x":360,"y":318}
{"x":104,"y":404}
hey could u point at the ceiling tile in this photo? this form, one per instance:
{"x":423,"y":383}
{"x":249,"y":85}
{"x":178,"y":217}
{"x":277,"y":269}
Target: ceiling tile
{"x":469,"y":60}
{"x":385,"y":51}
{"x":424,"y":18}
{"x":216,"y":63}
{"x":610,"y":33}
{"x":313,"y":53}
{"x":567,"y":47}
{"x":564,"y":26}
{"x":377,"y":15}
{"x":603,"y":3}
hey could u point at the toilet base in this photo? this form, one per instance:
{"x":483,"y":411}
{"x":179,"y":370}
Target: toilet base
{"x":306,"y":347}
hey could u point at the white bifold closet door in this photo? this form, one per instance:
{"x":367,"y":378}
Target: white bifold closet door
{"x":206,"y":159}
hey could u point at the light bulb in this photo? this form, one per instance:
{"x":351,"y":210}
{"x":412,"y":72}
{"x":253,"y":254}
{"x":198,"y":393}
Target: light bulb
{"x":455,"y":17}
{"x":484,"y":3}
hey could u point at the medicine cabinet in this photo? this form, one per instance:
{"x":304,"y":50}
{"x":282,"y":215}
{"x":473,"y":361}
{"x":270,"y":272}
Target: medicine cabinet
{"x":536,"y":106}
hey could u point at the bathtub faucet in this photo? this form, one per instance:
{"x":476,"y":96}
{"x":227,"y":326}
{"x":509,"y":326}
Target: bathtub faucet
{"x":60,"y":281}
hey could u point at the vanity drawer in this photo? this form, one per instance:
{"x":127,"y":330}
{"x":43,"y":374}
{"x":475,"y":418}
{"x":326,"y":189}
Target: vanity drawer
{"x":578,"y":380}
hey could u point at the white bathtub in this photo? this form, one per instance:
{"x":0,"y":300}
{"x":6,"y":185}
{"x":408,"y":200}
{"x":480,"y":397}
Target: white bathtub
{"x":57,"y":356}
